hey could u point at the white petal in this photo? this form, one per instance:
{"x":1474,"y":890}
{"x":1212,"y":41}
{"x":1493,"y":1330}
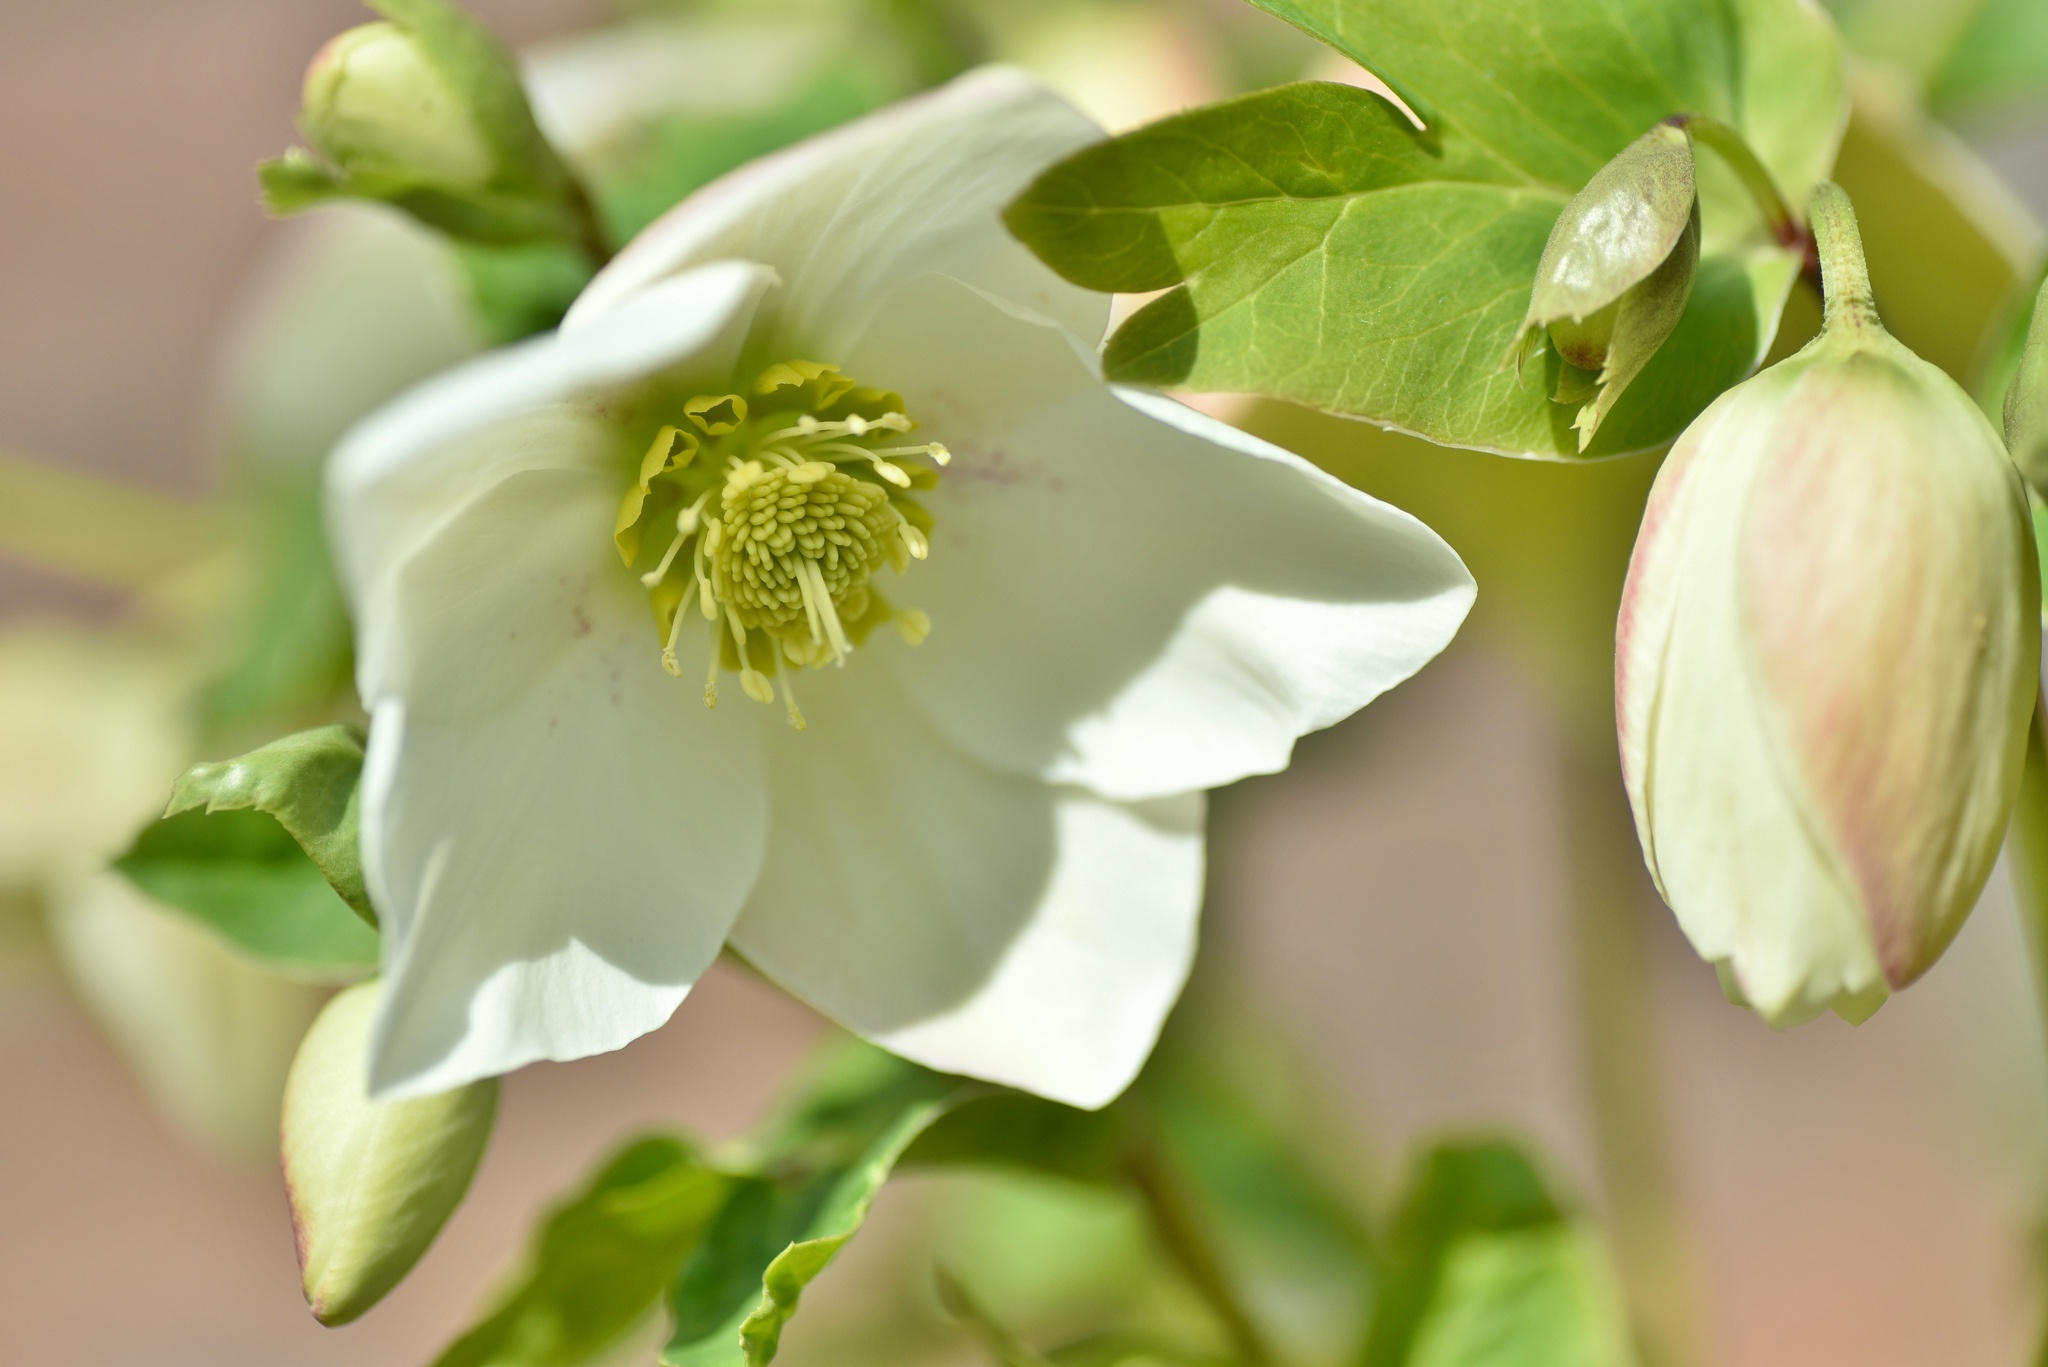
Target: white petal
{"x":557,"y":833}
{"x":1128,"y":595}
{"x":976,"y":922}
{"x":1075,"y":1006}
{"x":843,"y":218}
{"x":402,"y":474}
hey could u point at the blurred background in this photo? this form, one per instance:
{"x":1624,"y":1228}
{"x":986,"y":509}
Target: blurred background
{"x":1401,"y":903}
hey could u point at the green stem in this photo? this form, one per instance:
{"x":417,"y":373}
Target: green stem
{"x":1844,"y":274}
{"x":2027,"y":843}
{"x":1188,"y":1245}
{"x":1618,"y":1028}
{"x":1778,"y":215}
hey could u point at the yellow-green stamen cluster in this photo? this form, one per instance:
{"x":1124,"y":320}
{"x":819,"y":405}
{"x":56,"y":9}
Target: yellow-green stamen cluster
{"x":783,"y":507}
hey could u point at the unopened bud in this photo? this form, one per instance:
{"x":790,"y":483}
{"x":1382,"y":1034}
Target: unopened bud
{"x":376,"y":104}
{"x":1826,"y":661}
{"x":1616,"y":273}
{"x":370,"y":1182}
{"x":2026,"y":404}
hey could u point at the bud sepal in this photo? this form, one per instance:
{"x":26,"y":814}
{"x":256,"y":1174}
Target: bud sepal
{"x":1616,"y":273}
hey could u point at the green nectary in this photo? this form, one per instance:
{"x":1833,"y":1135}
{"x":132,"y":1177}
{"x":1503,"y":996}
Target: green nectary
{"x":787,"y":503}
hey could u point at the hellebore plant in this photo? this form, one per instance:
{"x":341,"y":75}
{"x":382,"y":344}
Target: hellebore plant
{"x":826,"y":431}
{"x":810,"y":594}
{"x":1827,"y":660}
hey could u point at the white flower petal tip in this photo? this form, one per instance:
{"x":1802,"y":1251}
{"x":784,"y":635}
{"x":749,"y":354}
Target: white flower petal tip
{"x":1073,"y":1007}
{"x":974,"y":921}
{"x":844,"y":216}
{"x":569,"y":1005}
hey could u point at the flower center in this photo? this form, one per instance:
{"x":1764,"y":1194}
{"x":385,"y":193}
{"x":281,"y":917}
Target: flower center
{"x":783,"y":506}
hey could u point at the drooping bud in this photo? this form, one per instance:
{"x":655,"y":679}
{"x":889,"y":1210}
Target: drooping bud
{"x":1616,"y":273}
{"x":2026,"y":403}
{"x":370,"y":1182}
{"x":376,"y":104}
{"x":1826,"y":661}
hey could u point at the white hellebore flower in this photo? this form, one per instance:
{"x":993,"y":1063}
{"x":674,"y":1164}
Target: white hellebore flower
{"x":982,"y":850}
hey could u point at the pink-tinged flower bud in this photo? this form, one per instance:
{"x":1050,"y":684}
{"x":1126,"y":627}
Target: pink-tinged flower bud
{"x":370,"y":1182}
{"x":1826,"y":662}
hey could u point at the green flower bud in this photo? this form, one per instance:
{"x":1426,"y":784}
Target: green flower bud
{"x":370,"y":1182}
{"x":376,"y":104}
{"x":1826,"y":662}
{"x":2026,"y":403}
{"x":1616,"y":273}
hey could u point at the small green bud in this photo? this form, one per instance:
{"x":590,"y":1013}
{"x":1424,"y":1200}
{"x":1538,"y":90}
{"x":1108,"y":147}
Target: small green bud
{"x":370,"y":1182}
{"x":376,"y":104}
{"x":1826,"y":662}
{"x":1616,"y":273}
{"x":2026,"y":403}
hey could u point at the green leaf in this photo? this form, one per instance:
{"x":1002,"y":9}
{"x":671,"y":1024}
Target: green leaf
{"x":241,"y":874}
{"x":308,"y":784}
{"x":2000,"y":59}
{"x":1531,"y":1298}
{"x":1484,"y":1270}
{"x":815,"y":1178}
{"x":1012,"y":1130}
{"x":1299,"y":1251}
{"x":602,"y":1261}
{"x":263,"y":849}
{"x":1326,"y":251}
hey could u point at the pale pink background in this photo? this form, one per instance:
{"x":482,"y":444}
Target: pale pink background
{"x":1860,"y":1198}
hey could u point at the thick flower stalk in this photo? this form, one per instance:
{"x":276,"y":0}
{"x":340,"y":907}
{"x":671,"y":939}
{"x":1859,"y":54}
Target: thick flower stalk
{"x":1826,"y":661}
{"x":826,"y":433}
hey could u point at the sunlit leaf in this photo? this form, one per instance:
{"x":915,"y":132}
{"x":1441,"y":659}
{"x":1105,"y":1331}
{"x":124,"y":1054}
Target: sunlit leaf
{"x":2000,"y":59}
{"x":308,"y":784}
{"x":601,"y":1262}
{"x":1485,"y":1270}
{"x":1319,"y":248}
{"x":240,"y":873}
{"x":813,"y":1183}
